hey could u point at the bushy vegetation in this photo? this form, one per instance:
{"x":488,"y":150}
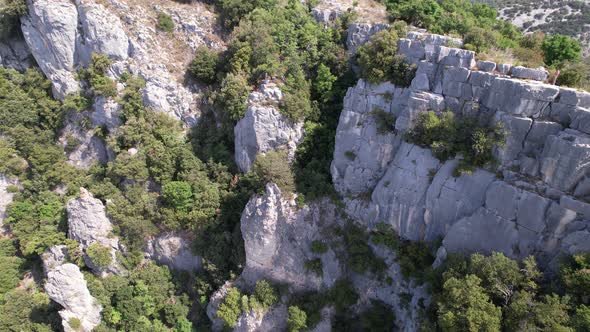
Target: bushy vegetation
{"x":273,"y":167}
{"x":205,"y":65}
{"x":235,"y":303}
{"x":99,"y":255}
{"x":380,"y":61}
{"x":165,"y":22}
{"x":449,"y":136}
{"x":493,"y":293}
{"x":10,"y":11}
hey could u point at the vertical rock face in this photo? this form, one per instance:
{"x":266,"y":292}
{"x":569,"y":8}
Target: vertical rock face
{"x":264,"y":128}
{"x":66,"y":286}
{"x":277,"y":240}
{"x":88,"y":224}
{"x":50,"y":29}
{"x":15,"y":54}
{"x":360,"y":33}
{"x":173,"y":251}
{"x":539,"y":204}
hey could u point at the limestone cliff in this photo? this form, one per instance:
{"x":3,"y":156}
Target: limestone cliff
{"x":534,"y":203}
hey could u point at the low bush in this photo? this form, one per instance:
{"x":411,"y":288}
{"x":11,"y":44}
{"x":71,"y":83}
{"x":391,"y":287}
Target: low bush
{"x":315,"y":266}
{"x":380,"y":62}
{"x":449,"y":136}
{"x":274,"y":167}
{"x":385,"y":121}
{"x":99,"y":255}
{"x":297,"y":320}
{"x":165,"y":22}
{"x":230,"y":308}
{"x":319,"y":247}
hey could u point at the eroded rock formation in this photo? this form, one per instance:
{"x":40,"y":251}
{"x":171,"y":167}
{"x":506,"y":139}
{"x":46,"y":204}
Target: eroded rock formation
{"x":536,"y":206}
{"x":89,"y":225}
{"x":264,"y":128}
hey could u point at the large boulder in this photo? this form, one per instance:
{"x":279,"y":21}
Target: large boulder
{"x":564,"y":161}
{"x":50,"y":29}
{"x":264,"y":128}
{"x":88,"y":224}
{"x":66,"y":286}
{"x":174,"y":251}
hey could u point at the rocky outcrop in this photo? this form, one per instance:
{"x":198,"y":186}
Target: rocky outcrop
{"x":274,"y":319}
{"x":82,"y":146}
{"x":51,"y":31}
{"x":88,"y":224}
{"x":264,"y":128}
{"x":277,"y":239}
{"x":63,"y":34}
{"x":66,"y":286}
{"x":537,"y":206}
{"x":360,"y":33}
{"x":174,"y":251}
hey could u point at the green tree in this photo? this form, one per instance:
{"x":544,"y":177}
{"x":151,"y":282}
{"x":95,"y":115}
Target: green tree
{"x":297,"y":319}
{"x":380,"y":62}
{"x":230,"y":309}
{"x":205,"y":65}
{"x":265,"y":293}
{"x":178,"y":194}
{"x":232,"y":96}
{"x":422,"y":13}
{"x":273,"y":167}
{"x":99,"y":255}
{"x":465,"y":306}
{"x":324,"y":83}
{"x":559,"y":48}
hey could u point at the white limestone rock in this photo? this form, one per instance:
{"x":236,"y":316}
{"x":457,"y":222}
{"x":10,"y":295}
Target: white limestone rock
{"x":101,"y":33}
{"x":89,"y":224}
{"x":362,"y":152}
{"x":520,"y":98}
{"x":273,"y":319}
{"x":400,"y":195}
{"x":83,"y":147}
{"x":50,"y":30}
{"x":264,"y":128}
{"x":564,"y":161}
{"x":173,"y":251}
{"x":277,"y":240}
{"x":66,"y":286}
{"x":6,"y":196}
{"x":360,"y":33}
{"x":539,"y":74}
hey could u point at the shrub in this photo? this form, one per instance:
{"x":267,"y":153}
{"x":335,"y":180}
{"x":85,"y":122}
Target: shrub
{"x":273,"y":167}
{"x":10,"y":10}
{"x":297,"y":320}
{"x":265,"y":293}
{"x":319,"y":247}
{"x":448,"y":136}
{"x":99,"y":255}
{"x":75,"y":323}
{"x":479,"y":39}
{"x":232,"y":96}
{"x":360,"y":256}
{"x":380,"y":62}
{"x":230,"y":309}
{"x":315,"y":266}
{"x":385,"y":121}
{"x":559,"y":49}
{"x":205,"y":65}
{"x":573,"y":75}
{"x":575,"y":275}
{"x":165,"y":22}
{"x":178,"y":194}
{"x":350,"y":155}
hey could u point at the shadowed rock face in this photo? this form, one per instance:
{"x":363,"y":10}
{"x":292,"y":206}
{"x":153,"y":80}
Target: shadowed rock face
{"x":538,"y":206}
{"x":264,"y":128}
{"x":173,"y":251}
